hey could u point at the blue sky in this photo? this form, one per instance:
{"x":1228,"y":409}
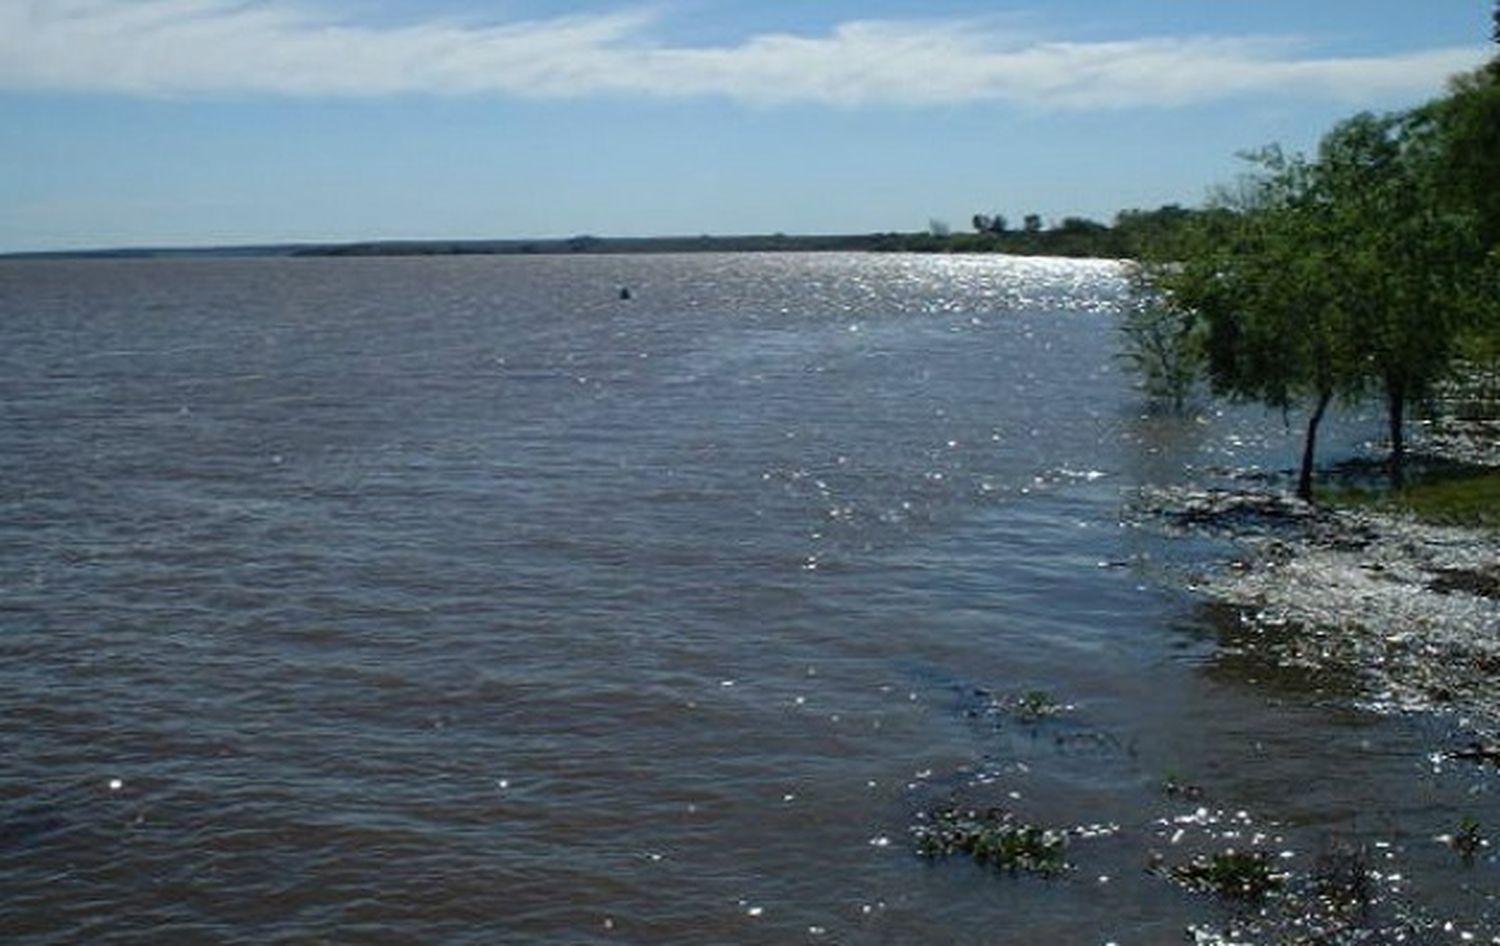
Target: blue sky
{"x":201,"y":122}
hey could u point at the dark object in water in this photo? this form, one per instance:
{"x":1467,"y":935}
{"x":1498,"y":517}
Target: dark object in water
{"x":624,"y":292}
{"x":1480,"y":752}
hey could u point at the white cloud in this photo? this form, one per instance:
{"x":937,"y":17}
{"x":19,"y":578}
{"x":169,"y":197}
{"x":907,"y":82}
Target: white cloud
{"x":284,"y":47}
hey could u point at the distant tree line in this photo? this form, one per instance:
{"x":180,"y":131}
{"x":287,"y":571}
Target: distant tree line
{"x":1127,"y":237}
{"x":1371,"y":268}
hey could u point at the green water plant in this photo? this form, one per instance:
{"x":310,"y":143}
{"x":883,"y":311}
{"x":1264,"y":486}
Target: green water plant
{"x":1341,"y":884}
{"x":1468,"y":839}
{"x":1238,"y":875}
{"x":1174,"y":786}
{"x":1028,"y":706}
{"x":1035,"y":704}
{"x":992,"y":837}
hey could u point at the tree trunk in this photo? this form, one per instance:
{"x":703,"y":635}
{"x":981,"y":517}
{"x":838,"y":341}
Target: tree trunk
{"x":1310,"y":447}
{"x":1395,"y":409}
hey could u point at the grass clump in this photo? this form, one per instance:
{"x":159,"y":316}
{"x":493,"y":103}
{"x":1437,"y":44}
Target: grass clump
{"x":1238,"y":875}
{"x":1468,"y":498}
{"x":995,"y":838}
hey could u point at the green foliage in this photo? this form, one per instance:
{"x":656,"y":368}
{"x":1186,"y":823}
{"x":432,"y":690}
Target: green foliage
{"x":1366,"y":267}
{"x":1406,"y":252}
{"x":990,"y":223}
{"x":1242,"y":875}
{"x":995,"y":838}
{"x":1259,"y":277}
{"x":1461,"y":135}
{"x":1494,"y":66}
{"x":1036,"y":704}
{"x":1474,"y":392}
{"x":1164,"y":342}
{"x":1152,"y":234}
{"x":1469,"y":500}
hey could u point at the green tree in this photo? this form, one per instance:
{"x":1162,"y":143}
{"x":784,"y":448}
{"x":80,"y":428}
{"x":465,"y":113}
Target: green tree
{"x":1275,"y":328}
{"x":1459,"y":135}
{"x":990,"y":223}
{"x":1405,"y":257}
{"x":1369,"y":267}
{"x":1143,"y":233}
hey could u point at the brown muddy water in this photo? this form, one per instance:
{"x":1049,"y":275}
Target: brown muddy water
{"x":463,"y":601}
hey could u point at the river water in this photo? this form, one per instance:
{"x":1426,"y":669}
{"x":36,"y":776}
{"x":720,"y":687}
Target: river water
{"x":464,"y":601}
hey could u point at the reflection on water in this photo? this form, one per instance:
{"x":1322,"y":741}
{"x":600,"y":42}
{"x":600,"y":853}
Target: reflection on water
{"x":455,"y":600}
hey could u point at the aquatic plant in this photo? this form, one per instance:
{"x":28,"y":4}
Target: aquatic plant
{"x":1029,"y":706}
{"x":1174,"y":787}
{"x":1035,"y":704}
{"x":992,"y":837}
{"x":1467,"y":840}
{"x":1341,"y":887}
{"x":1240,"y":875}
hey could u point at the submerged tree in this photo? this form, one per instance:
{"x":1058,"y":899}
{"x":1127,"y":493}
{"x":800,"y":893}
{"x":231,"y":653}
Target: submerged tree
{"x":1403,"y":259}
{"x":1163,"y":340}
{"x":1362,"y":269}
{"x":1368,"y":267}
{"x":1274,"y":323}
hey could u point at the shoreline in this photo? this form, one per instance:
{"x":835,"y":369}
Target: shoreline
{"x":1406,"y":611}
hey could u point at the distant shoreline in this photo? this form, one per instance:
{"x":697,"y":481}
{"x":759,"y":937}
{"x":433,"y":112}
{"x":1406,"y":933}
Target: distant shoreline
{"x":1100,"y":243}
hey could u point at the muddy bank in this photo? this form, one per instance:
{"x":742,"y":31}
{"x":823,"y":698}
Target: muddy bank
{"x":1409,"y":611}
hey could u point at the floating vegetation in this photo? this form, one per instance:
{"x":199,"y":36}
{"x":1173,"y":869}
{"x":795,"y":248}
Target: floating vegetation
{"x":1254,"y":881}
{"x":1468,"y":840}
{"x":1267,"y":891}
{"x":1243,"y":875}
{"x":1036,"y":704}
{"x":1340,"y":894}
{"x":1174,"y":787}
{"x":992,"y":837}
{"x":1353,"y":893}
{"x":1029,"y":706}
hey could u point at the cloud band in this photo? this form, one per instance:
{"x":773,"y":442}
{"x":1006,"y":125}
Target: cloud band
{"x":276,"y":47}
